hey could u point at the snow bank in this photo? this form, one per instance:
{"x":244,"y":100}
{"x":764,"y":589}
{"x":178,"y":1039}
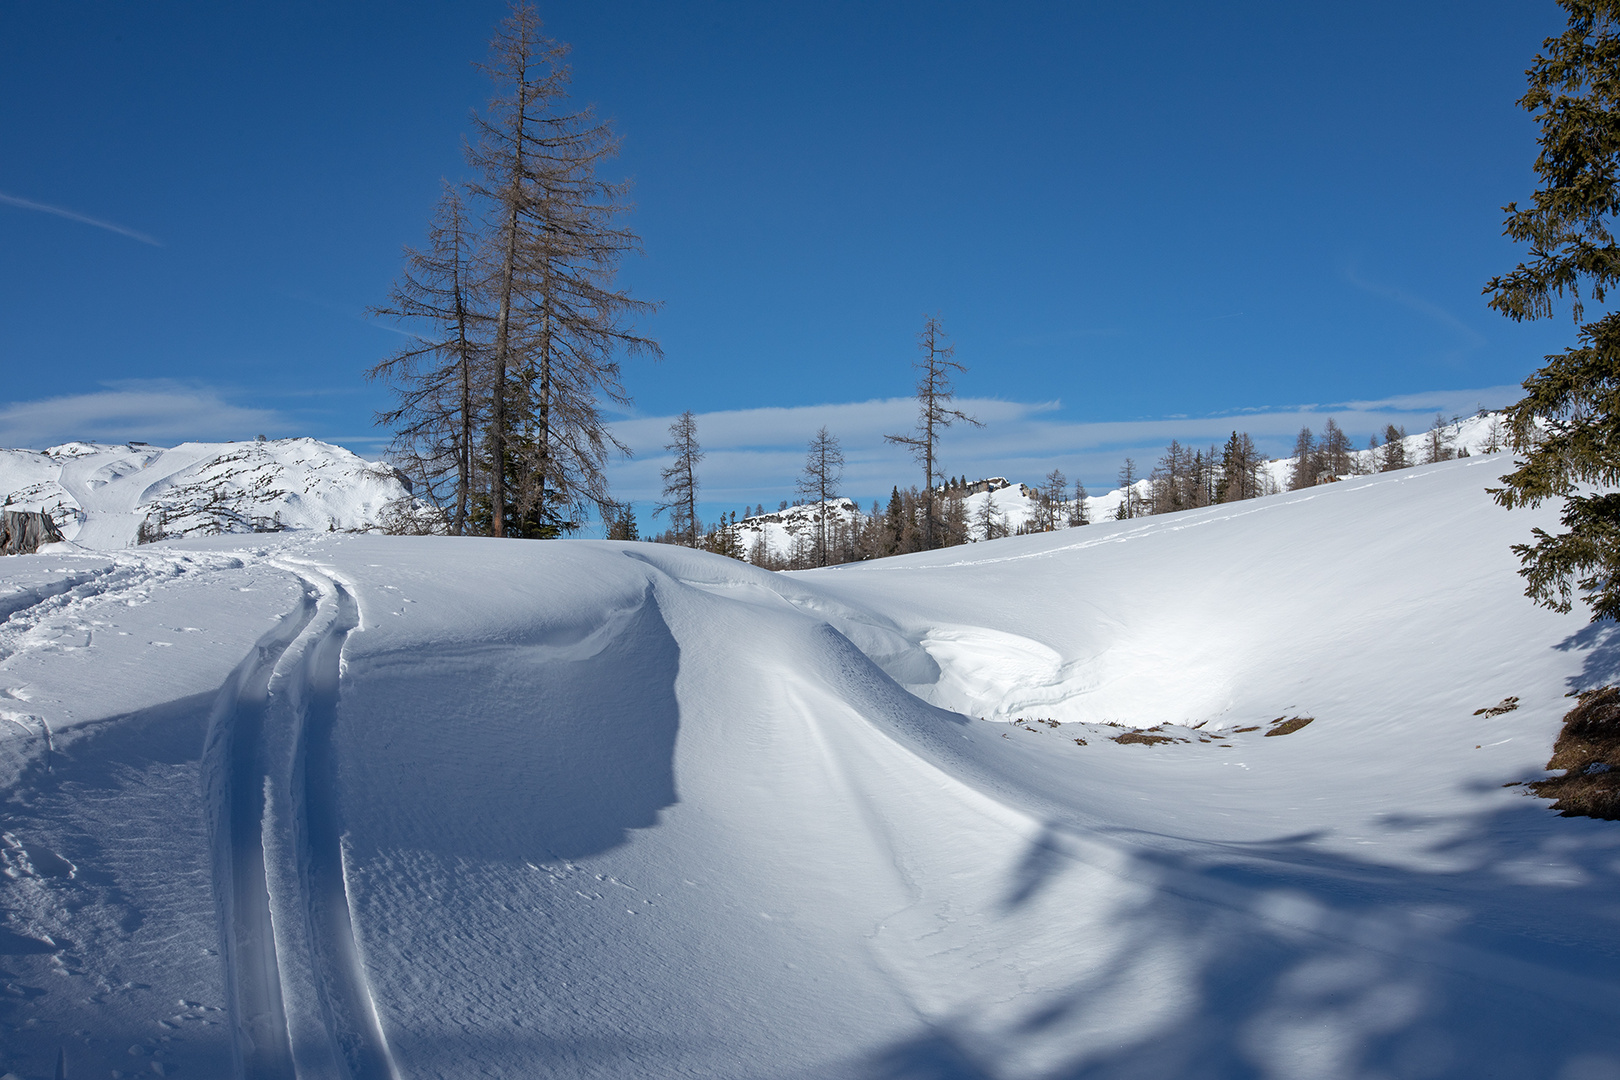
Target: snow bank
{"x":379,"y":806}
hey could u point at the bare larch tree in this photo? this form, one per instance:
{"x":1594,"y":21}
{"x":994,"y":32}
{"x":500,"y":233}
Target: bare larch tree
{"x":553,"y":246}
{"x":680,"y":479}
{"x":934,"y":415}
{"x":436,"y":378}
{"x":823,"y":469}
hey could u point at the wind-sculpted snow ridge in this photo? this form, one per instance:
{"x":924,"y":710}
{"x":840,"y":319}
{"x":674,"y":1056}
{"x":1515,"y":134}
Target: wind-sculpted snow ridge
{"x":1049,"y":807}
{"x":107,"y":497}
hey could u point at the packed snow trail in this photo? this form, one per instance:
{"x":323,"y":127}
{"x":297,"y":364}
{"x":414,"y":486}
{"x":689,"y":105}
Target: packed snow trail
{"x":351,"y":1016}
{"x":236,"y":773}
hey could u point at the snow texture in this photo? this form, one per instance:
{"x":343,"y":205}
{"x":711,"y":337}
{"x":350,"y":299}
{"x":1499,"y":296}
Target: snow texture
{"x":324,"y":805}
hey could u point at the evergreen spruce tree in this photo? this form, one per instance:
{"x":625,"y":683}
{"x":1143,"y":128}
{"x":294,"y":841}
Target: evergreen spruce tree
{"x":1394,"y":455}
{"x":1239,"y":470}
{"x":1565,"y":431}
{"x":894,"y":524}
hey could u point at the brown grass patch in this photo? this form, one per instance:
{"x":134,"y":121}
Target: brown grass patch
{"x":1506,"y":705}
{"x":1152,"y":736}
{"x":1145,"y":738}
{"x":1288,"y":727}
{"x":1588,"y":750}
{"x":1241,"y":730}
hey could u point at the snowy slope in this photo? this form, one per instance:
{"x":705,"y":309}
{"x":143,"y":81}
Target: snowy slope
{"x":794,"y":529}
{"x":101,"y":494}
{"x":371,"y":806}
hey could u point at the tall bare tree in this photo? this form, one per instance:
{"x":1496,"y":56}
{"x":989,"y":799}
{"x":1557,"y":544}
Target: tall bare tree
{"x":1336,"y":451}
{"x":437,"y":378}
{"x":1050,"y":501}
{"x":1077,"y":509}
{"x":823,"y":469}
{"x":1437,"y":443}
{"x":1130,"y":500}
{"x":554,"y":245}
{"x":934,"y":415}
{"x":680,"y":479}
{"x":1306,"y":461}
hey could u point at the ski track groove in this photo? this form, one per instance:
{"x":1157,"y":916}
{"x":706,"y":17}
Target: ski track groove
{"x":240,"y":781}
{"x":346,"y":1002}
{"x":234,"y":782}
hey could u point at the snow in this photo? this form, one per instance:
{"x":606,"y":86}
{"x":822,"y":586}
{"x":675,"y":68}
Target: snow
{"x":794,"y":529}
{"x":321,"y":805}
{"x":101,"y":494}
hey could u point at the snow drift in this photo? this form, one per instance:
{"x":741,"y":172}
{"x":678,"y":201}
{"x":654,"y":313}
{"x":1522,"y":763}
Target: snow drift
{"x":369,"y":806}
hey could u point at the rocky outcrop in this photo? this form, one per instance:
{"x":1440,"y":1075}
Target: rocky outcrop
{"x":22,"y":531}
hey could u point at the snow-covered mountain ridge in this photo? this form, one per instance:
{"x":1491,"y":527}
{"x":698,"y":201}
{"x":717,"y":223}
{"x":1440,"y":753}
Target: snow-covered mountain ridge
{"x":109,"y":496}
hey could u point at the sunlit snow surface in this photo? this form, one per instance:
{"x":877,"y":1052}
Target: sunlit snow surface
{"x":323,"y":806}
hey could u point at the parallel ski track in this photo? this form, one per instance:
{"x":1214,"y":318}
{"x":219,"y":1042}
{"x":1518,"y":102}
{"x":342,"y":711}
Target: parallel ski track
{"x":238,"y":778}
{"x":347,"y":1005}
{"x":234,"y":780}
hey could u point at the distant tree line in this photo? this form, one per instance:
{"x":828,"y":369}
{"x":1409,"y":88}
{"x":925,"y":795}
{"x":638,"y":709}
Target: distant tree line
{"x":913,"y":519}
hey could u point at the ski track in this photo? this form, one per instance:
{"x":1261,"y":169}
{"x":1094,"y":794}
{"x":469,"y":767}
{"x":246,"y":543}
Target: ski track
{"x":234,"y":778}
{"x":299,"y":663}
{"x":346,"y":1001}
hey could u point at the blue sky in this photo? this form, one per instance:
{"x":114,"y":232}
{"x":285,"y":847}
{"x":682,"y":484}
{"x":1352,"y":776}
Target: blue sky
{"x":1137,"y":222}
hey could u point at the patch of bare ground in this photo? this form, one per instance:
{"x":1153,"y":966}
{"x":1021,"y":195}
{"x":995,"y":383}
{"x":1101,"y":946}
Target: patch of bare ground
{"x":1157,"y":735}
{"x":1281,"y":726}
{"x":1147,"y":737}
{"x":1506,"y":705}
{"x":1588,"y":750}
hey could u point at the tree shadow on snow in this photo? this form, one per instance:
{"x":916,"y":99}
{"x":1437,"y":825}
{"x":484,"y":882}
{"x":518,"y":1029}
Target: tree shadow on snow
{"x":1601,"y":665}
{"x":1300,"y":962}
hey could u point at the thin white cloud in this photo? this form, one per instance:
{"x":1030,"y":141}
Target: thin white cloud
{"x":1472,"y":339}
{"x":753,"y":455}
{"x":74,"y":215}
{"x":856,"y":423}
{"x":156,"y":412}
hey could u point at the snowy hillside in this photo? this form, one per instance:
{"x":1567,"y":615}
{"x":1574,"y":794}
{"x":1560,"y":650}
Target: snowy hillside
{"x":1044,"y":807}
{"x":795,"y":528}
{"x":101,"y":495}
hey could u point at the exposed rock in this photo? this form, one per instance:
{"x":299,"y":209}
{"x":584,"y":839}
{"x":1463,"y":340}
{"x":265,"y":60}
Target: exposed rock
{"x":22,"y":531}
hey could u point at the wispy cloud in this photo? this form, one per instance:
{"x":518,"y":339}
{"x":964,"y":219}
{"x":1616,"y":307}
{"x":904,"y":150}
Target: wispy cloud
{"x":157,"y":411}
{"x":754,"y":454}
{"x":74,"y":215}
{"x":1471,"y":338}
